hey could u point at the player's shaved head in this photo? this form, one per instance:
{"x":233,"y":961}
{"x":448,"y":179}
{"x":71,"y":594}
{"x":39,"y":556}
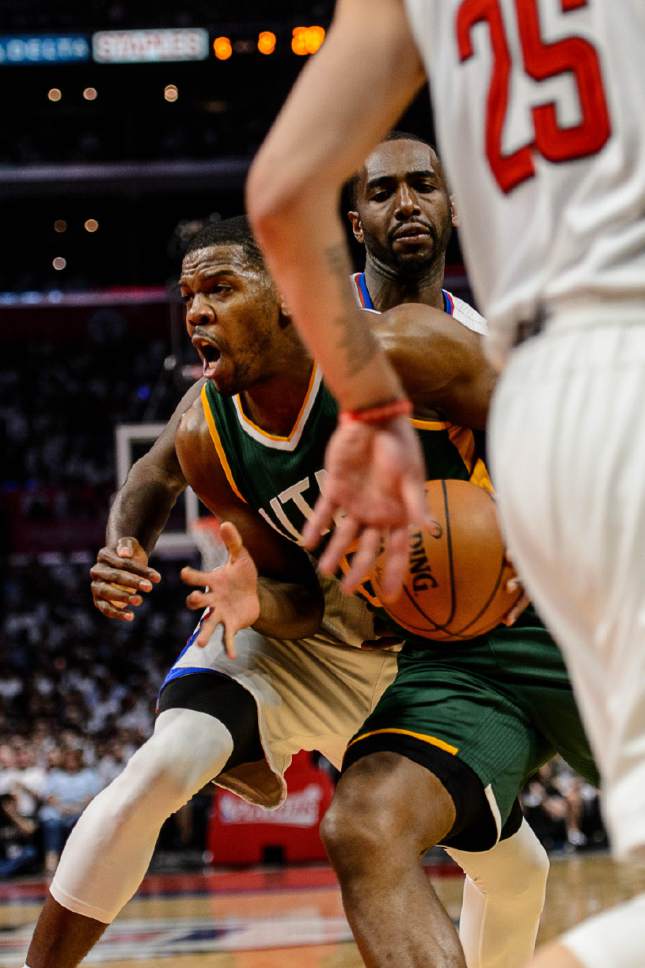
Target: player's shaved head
{"x":350,"y":192}
{"x":401,"y":209}
{"x":228,"y":231}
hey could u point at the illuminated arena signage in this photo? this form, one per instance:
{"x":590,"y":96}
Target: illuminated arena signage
{"x":150,"y":46}
{"x":43,"y":49}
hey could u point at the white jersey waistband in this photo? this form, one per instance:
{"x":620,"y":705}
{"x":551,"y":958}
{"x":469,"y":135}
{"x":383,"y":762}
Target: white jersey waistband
{"x":592,"y":311}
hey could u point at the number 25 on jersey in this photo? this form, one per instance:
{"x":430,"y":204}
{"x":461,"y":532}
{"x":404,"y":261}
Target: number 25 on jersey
{"x":540,"y":60}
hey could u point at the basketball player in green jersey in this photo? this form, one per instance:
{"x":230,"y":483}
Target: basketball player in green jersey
{"x":252,"y":447}
{"x":442,"y":757}
{"x":239,"y":720}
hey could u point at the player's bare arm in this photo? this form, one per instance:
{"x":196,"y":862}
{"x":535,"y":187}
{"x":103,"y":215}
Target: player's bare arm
{"x":267,"y":582}
{"x":442,"y":364}
{"x":374,"y":471}
{"x":121,"y":574}
{"x":369,"y":58}
{"x":446,"y":376}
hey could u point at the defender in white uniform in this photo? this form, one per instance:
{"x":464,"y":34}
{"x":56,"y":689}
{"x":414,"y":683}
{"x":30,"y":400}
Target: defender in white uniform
{"x":539,"y":108}
{"x":551,"y":164}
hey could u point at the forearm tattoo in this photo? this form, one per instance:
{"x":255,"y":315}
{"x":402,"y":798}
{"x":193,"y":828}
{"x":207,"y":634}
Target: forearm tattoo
{"x":356,"y":341}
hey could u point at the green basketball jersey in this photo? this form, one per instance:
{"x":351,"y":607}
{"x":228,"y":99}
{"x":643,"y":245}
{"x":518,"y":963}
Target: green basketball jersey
{"x":281,"y":477}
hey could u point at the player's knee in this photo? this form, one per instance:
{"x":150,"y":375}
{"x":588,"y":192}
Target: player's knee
{"x":187,"y":750}
{"x":529,"y":862}
{"x":536,"y":872}
{"x":388,"y":804}
{"x":353,"y":839}
{"x":373,"y":820}
{"x":156,"y":781}
{"x":524,"y":887}
{"x":515,"y":869}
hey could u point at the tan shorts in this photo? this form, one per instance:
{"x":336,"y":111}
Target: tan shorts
{"x":311,"y":694}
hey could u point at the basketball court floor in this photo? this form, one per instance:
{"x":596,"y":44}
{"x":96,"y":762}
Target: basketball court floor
{"x":285,"y":918}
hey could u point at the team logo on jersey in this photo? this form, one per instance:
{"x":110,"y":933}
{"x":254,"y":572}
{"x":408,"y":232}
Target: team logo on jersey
{"x":288,"y":511}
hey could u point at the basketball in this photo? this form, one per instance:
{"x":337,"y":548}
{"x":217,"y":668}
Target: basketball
{"x":455,"y":586}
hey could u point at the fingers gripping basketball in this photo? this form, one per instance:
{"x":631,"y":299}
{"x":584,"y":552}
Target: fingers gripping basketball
{"x":455,"y":587}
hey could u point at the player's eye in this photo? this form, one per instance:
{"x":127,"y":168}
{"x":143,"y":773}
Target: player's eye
{"x":185,"y":297}
{"x":217,"y":289}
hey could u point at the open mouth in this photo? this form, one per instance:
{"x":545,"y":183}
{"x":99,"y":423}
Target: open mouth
{"x":209,"y":354}
{"x":211,"y":357}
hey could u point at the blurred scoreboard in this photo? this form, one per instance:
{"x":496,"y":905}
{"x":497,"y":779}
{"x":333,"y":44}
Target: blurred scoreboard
{"x":106,"y":47}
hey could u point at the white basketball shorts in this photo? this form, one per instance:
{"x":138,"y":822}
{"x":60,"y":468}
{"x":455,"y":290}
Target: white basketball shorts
{"x":567,"y":443}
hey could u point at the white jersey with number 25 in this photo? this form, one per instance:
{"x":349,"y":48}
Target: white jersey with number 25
{"x":540,"y":114}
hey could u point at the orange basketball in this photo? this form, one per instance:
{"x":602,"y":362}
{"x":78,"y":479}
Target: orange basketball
{"x":455,"y":587}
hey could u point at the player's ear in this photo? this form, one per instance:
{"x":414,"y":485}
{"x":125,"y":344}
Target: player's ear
{"x":454,"y":217}
{"x":357,"y":226}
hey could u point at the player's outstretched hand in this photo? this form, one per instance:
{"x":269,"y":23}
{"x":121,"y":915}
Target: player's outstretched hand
{"x":120,"y":577}
{"x":231,"y":592}
{"x":374,"y":487}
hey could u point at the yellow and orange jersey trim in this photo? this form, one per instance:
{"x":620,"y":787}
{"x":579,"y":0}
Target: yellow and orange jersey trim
{"x":463,"y":439}
{"x":431,"y":740}
{"x":219,"y":447}
{"x":291,"y":441}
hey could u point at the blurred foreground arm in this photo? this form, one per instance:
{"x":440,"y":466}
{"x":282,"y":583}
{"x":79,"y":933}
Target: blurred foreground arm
{"x":345,"y":100}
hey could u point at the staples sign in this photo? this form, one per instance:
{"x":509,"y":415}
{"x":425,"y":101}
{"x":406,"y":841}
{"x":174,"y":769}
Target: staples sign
{"x":150,"y":46}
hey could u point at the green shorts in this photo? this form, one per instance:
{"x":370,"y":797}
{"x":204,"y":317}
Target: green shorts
{"x":483,"y":716}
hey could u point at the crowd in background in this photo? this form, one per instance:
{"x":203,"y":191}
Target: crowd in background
{"x":77,"y":698}
{"x":563,"y":809}
{"x":77,"y":692}
{"x":60,"y":401}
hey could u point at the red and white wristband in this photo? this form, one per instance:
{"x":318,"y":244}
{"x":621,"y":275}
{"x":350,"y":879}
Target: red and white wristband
{"x":381,"y":413}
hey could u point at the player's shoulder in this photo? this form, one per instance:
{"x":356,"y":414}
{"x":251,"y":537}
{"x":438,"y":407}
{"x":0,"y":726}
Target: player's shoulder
{"x":408,"y":318}
{"x":192,"y":422}
{"x":201,"y":461}
{"x":413,"y":333}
